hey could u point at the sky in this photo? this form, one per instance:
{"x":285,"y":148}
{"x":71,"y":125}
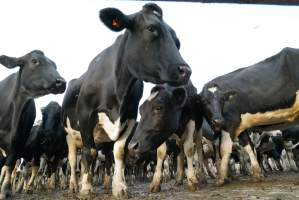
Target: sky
{"x":215,"y":38}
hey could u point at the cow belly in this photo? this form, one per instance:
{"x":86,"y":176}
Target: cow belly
{"x":280,"y":116}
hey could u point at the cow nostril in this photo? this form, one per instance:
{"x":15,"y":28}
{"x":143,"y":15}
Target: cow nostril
{"x":135,"y":146}
{"x":59,"y":82}
{"x":184,"y":71}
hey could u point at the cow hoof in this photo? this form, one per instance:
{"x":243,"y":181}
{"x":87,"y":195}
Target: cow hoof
{"x":73,"y":188}
{"x":256,"y":179}
{"x":29,"y":189}
{"x":5,"y":195}
{"x":220,"y":182}
{"x":106,"y":182}
{"x":178,"y":183}
{"x":120,"y":192}
{"x":86,"y":190}
{"x":155,"y":188}
{"x":192,"y":184}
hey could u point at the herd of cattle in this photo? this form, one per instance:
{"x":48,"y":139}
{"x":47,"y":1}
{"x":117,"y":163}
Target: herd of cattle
{"x":224,"y":130}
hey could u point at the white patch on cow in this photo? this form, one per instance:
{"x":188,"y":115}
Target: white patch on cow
{"x":284,"y":115}
{"x":213,"y":89}
{"x":225,"y":150}
{"x":72,"y":156}
{"x":3,"y":152}
{"x":156,"y":182}
{"x":152,"y":96}
{"x":119,"y":187}
{"x":189,"y":152}
{"x":112,"y":129}
{"x":157,"y":13}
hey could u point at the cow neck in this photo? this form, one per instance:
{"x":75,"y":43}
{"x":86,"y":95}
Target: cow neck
{"x":20,"y":98}
{"x":124,"y":78}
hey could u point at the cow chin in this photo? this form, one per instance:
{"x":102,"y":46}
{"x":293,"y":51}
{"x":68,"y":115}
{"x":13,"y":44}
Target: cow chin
{"x":56,"y":90}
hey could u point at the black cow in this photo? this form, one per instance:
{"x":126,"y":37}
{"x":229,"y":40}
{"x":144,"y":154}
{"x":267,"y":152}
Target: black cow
{"x":168,"y":110}
{"x":272,"y":147}
{"x":110,"y":90}
{"x":37,"y":77}
{"x":258,"y":97}
{"x":48,"y":140}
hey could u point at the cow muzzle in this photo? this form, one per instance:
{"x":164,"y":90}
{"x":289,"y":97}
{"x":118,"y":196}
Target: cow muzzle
{"x":58,"y":86}
{"x":217,"y":124}
{"x":134,"y":151}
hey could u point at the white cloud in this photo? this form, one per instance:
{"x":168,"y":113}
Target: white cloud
{"x":215,"y":38}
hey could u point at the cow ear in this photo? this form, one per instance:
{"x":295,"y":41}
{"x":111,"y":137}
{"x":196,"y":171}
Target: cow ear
{"x":152,"y":7}
{"x":10,"y":62}
{"x":229,"y":95}
{"x":156,"y":88}
{"x":180,"y":96}
{"x":114,"y":19}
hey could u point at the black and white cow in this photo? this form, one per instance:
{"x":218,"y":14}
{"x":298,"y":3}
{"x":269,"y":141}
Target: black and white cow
{"x":108,"y":93}
{"x":36,"y":77}
{"x":168,"y":111}
{"x":47,"y":140}
{"x":263,"y":96}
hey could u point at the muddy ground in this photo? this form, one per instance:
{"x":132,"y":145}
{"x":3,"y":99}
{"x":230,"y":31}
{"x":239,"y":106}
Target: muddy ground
{"x":279,"y":186}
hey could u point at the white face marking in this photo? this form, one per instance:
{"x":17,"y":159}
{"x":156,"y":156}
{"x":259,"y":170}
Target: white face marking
{"x":157,"y":13}
{"x":111,"y":128}
{"x":280,"y":116}
{"x":212,"y":89}
{"x":152,"y":96}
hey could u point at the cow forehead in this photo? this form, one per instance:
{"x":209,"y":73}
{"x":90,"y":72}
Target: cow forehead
{"x":153,"y":96}
{"x":213,"y":89}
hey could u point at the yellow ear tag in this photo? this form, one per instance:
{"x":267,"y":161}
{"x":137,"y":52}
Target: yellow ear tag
{"x":116,"y":23}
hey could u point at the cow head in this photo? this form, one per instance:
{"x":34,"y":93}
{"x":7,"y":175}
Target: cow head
{"x":51,"y":117}
{"x":212,"y":100}
{"x":152,"y":47}
{"x":160,"y":118}
{"x":50,"y":126}
{"x":37,"y":75}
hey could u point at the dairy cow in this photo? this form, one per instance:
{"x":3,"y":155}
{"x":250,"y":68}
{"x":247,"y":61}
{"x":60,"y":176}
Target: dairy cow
{"x":37,"y":76}
{"x":107,"y":95}
{"x":260,"y":97}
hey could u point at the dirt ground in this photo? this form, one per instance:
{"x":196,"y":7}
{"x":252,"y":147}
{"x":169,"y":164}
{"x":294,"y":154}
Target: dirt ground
{"x":278,"y":186}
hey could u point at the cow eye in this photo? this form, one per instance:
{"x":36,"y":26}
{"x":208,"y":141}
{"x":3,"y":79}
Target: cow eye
{"x":151,"y":28}
{"x":157,"y":109}
{"x":34,"y":61}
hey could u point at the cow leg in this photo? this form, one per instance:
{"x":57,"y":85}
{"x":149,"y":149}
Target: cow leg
{"x":290,"y":156}
{"x":6,"y":186}
{"x":180,"y":169}
{"x":119,"y":187}
{"x":189,"y":153}
{"x":256,"y":170}
{"x":107,"y":174}
{"x":200,"y":171}
{"x":155,"y":185}
{"x":14,"y":175}
{"x":29,"y":186}
{"x":166,"y":171}
{"x":72,"y":156}
{"x":225,"y":150}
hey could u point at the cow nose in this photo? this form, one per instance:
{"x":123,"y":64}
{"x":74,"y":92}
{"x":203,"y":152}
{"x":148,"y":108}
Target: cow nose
{"x":133,"y":148}
{"x":60,"y":82}
{"x":218,"y":121}
{"x":184,"y":72}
